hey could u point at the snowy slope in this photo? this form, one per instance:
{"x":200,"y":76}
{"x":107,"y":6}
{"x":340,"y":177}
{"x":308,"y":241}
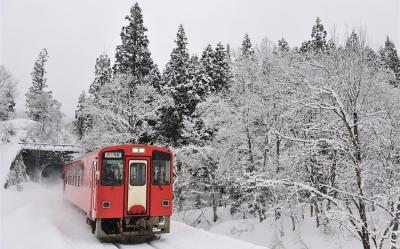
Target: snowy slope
{"x":38,"y":217}
{"x":8,"y":151}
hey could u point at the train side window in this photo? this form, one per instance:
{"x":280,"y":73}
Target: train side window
{"x":161,"y":168}
{"x":138,"y":174}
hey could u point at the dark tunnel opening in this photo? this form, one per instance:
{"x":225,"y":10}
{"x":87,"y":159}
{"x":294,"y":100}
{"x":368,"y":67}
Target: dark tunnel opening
{"x":52,"y":173}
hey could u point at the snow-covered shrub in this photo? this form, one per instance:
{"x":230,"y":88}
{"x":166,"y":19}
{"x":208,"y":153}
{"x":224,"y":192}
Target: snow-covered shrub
{"x":17,"y":175}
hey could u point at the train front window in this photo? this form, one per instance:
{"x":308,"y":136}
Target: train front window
{"x":161,"y":168}
{"x":112,"y":169}
{"x":138,"y":174}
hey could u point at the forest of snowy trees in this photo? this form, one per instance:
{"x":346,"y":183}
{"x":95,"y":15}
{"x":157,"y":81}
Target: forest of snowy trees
{"x":269,"y":129}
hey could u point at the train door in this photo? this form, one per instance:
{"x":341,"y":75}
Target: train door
{"x":93,"y":186}
{"x":137,"y":196}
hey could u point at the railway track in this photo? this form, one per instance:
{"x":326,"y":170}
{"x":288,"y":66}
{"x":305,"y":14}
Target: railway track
{"x":146,"y":245}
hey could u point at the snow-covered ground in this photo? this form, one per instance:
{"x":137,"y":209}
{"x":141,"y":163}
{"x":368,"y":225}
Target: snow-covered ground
{"x":271,"y":233}
{"x":39,"y":217}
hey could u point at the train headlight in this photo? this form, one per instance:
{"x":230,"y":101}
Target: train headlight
{"x":106,"y":204}
{"x":165,"y":203}
{"x":138,"y":150}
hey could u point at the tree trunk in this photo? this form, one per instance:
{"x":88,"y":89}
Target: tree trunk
{"x":394,"y":237}
{"x":278,"y":151}
{"x":358,"y":169}
{"x":332,"y":177}
{"x":250,"y":147}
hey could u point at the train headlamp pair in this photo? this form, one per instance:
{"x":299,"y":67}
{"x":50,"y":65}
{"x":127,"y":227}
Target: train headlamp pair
{"x":138,"y":150}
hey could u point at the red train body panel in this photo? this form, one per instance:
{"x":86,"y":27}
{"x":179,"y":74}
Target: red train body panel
{"x":124,"y":190}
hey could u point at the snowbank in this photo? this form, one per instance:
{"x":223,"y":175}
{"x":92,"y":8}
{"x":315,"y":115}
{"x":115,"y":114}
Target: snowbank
{"x":38,"y":217}
{"x":271,"y":233}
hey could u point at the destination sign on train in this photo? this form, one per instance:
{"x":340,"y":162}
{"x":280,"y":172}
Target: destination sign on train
{"x":113,"y":154}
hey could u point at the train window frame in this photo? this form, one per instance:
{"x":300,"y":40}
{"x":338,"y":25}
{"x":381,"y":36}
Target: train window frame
{"x":155,"y":167}
{"x":143,"y":174}
{"x":104,"y":159}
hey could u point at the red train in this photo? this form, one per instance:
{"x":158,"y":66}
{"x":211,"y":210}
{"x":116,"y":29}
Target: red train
{"x":124,"y":190}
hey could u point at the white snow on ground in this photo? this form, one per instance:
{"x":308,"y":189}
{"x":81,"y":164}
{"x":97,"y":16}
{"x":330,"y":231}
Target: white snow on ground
{"x":39,"y":217}
{"x":271,"y":233}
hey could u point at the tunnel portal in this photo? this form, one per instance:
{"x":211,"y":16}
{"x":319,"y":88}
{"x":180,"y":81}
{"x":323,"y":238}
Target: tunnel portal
{"x":45,"y":163}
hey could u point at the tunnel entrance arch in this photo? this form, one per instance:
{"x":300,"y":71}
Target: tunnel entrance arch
{"x":44,"y":162}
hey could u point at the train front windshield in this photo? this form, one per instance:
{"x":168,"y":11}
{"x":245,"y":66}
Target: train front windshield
{"x":161,"y":168}
{"x":112,"y":171}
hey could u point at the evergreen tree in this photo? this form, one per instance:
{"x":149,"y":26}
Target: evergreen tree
{"x":222,"y":68}
{"x":103,"y":75}
{"x":247,"y":51}
{"x":83,"y":120}
{"x":246,"y":65}
{"x":7,"y":94}
{"x":133,"y":55}
{"x":391,"y":59}
{"x":318,"y":43}
{"x":201,"y":80}
{"x":36,"y":91}
{"x":133,"y":59}
{"x":318,"y":37}
{"x":179,"y":82}
{"x":283,"y":46}
{"x":205,"y":73}
{"x":177,"y":76}
{"x":40,"y":104}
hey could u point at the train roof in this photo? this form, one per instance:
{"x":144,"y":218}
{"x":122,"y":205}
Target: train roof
{"x":125,"y":147}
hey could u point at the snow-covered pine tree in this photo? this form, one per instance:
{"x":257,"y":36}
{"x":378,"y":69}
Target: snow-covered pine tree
{"x":246,"y":65}
{"x":389,"y":56}
{"x":35,"y":92}
{"x":40,"y":104}
{"x":7,"y":94}
{"x":102,"y":75}
{"x":177,"y":82}
{"x":133,"y":55}
{"x":204,"y":73}
{"x":247,"y":50}
{"x":283,"y":46}
{"x":222,"y":69}
{"x":318,"y":43}
{"x":133,"y":58}
{"x":318,"y":37}
{"x":83,"y":119}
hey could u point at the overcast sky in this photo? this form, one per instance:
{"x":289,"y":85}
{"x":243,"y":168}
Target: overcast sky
{"x":75,"y":32}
